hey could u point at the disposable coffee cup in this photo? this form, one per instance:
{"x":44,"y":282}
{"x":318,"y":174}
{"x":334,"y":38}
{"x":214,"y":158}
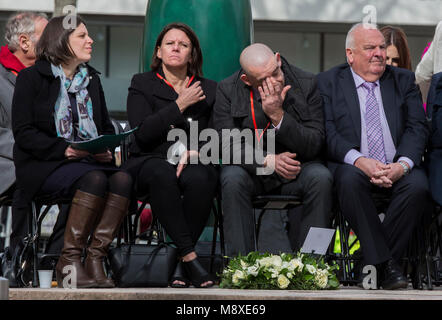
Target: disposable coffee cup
{"x":45,"y":278}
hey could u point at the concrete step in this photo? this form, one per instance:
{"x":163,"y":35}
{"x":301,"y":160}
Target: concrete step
{"x":216,"y":293}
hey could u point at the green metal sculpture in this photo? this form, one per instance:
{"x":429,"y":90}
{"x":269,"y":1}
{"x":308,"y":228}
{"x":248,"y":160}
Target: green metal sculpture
{"x":224,"y":29}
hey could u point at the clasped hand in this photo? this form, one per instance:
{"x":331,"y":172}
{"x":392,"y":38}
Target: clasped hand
{"x":381,"y":175}
{"x":284,"y":164}
{"x":72,"y":153}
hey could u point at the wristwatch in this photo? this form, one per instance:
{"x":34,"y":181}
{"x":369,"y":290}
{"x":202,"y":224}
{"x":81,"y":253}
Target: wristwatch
{"x":405,"y":166}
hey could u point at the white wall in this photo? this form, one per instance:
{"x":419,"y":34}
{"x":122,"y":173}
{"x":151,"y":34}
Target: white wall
{"x":108,"y":7}
{"x":408,"y":12}
{"x":413,"y":12}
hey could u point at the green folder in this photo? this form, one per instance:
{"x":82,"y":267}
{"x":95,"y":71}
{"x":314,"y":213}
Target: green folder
{"x":102,"y":143}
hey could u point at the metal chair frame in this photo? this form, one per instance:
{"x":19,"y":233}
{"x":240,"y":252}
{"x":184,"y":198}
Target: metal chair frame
{"x":271,"y":202}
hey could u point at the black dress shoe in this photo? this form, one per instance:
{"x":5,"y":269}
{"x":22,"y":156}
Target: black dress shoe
{"x":391,"y":277}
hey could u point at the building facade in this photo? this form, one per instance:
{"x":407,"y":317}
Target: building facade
{"x":309,"y":33}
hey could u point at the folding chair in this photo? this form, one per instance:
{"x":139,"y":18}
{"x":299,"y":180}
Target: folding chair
{"x":30,"y":256}
{"x":348,"y":263}
{"x":6,"y":216}
{"x":271,"y":202}
{"x":130,"y":227}
{"x":434,"y":248}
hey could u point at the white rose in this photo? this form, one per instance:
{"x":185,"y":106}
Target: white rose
{"x":238,"y":275}
{"x":265,"y":262}
{"x":275,"y":272}
{"x":253,"y":270}
{"x":277,"y":261}
{"x":243,"y":264}
{"x":321,"y":278}
{"x":296,"y":264}
{"x":283,"y":282}
{"x":311,"y":269}
{"x":289,"y":275}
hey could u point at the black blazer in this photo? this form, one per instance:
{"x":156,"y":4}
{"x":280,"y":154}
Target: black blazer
{"x":434,"y":156}
{"x":152,"y":108}
{"x":37,"y":150}
{"x":402,"y":105}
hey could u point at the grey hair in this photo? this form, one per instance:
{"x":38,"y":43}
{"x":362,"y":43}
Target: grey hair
{"x":350,"y":39}
{"x":21,"y":23}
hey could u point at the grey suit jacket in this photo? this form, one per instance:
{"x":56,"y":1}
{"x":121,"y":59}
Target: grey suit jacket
{"x":7,"y":169}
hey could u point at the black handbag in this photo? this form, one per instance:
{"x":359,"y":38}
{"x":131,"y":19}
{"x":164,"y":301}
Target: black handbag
{"x":143,"y":265}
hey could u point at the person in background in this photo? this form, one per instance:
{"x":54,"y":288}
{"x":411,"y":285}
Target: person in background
{"x":398,"y":52}
{"x":430,"y":64}
{"x":173,"y":95}
{"x":22,"y":31}
{"x":58,"y":100}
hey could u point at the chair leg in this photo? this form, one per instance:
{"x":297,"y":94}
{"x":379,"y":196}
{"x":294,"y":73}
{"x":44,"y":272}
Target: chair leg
{"x":221,"y":230}
{"x":34,"y":235}
{"x":214,"y":234}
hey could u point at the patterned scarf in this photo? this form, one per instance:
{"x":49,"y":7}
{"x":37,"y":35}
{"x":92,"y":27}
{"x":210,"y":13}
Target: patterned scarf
{"x":63,"y":109}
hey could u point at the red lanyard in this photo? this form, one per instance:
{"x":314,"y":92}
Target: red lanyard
{"x":170,"y":85}
{"x":254,"y":120}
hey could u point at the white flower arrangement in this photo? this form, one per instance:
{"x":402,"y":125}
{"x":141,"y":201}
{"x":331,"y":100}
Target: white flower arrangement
{"x":285,"y":271}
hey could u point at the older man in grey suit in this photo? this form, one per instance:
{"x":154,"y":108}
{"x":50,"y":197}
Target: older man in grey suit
{"x":22,"y":32}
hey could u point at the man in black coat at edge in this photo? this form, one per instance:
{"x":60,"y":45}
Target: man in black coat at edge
{"x":268,"y":94}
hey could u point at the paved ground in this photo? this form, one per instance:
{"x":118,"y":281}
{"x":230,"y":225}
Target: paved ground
{"x":215,"y":293}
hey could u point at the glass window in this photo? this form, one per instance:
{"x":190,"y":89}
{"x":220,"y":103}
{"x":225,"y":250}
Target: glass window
{"x":417,"y":46}
{"x":334,"y":50}
{"x":2,"y":33}
{"x":300,"y":49}
{"x":124,"y":56}
{"x":98,"y":61}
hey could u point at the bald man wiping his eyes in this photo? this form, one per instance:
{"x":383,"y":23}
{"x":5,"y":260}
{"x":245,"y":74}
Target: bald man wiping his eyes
{"x":268,"y":94}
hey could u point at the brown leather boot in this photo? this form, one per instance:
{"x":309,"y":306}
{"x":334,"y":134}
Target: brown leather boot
{"x":84,"y":208}
{"x":113,"y":214}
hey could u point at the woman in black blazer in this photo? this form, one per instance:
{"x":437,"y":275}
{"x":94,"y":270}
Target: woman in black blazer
{"x":174,"y":95}
{"x":59,"y":100}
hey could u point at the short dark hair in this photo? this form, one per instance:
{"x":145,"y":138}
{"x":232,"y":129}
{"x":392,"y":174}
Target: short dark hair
{"x":195,"y":65}
{"x":396,"y":36}
{"x":53,"y":45}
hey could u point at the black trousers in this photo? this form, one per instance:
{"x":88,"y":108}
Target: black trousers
{"x":182,"y":204}
{"x":381,"y":241}
{"x":314,"y":184}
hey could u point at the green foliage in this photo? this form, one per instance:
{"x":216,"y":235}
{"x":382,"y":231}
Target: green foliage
{"x":285,"y":271}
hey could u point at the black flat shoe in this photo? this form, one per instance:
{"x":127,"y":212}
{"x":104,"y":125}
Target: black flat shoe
{"x":197,"y":274}
{"x":179,"y":275}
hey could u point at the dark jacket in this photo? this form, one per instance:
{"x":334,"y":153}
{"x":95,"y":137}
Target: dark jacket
{"x":434,"y":156}
{"x":402,"y":105}
{"x":302,"y":129}
{"x":152,"y":108}
{"x":7,"y":170}
{"x":37,"y":150}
